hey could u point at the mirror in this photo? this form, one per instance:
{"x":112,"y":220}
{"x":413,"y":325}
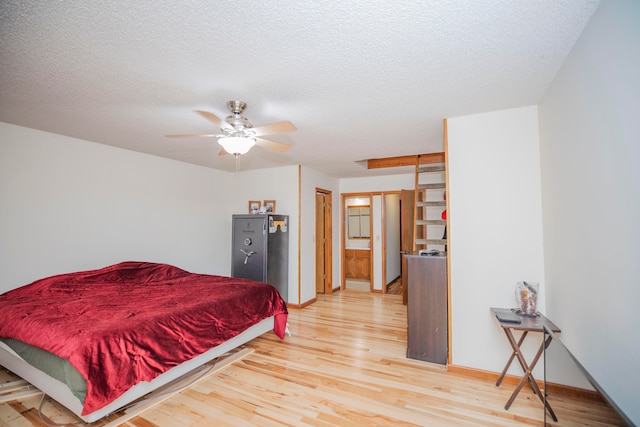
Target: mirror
{"x":359,"y":222}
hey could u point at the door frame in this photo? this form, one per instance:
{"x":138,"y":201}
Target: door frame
{"x":326,"y":237}
{"x":343,"y":238}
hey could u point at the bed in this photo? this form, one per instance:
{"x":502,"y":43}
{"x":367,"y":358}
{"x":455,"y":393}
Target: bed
{"x":114,"y":334}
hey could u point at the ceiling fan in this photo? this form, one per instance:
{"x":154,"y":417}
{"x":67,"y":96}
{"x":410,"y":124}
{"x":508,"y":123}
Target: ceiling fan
{"x":238,"y":134}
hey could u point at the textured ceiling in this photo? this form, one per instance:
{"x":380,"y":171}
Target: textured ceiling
{"x":359,"y":79}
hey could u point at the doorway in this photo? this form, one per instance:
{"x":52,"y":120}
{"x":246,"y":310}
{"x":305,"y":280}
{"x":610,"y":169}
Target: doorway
{"x":357,"y":231}
{"x":323,"y":243}
{"x":392,"y":239}
{"x":371,"y":260}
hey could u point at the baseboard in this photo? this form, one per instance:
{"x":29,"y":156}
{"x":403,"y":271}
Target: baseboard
{"x":483,"y":375}
{"x":301,"y":306}
{"x":394,"y":280}
{"x":552,"y":388}
{"x":570,"y":391}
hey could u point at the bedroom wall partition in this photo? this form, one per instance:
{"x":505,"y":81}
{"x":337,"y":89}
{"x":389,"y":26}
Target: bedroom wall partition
{"x":68,"y":205}
{"x":590,"y":147}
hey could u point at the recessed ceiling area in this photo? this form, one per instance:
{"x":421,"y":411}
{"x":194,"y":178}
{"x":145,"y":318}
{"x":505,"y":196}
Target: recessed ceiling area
{"x":359,"y":80}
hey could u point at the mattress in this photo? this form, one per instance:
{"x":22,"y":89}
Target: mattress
{"x":52,"y":365}
{"x":131,"y":322}
{"x":61,"y":393}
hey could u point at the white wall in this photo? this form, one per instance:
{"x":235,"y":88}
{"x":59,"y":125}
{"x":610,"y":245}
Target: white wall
{"x":392,"y":236}
{"x":495,"y":239}
{"x":310,"y":180}
{"x":68,"y":205}
{"x":590,"y":149}
{"x":279,"y":184}
{"x":376,"y":242}
{"x":378,"y":183}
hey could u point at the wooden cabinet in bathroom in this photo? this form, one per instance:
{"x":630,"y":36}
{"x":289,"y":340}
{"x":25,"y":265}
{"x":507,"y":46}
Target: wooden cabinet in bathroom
{"x":357,"y":263}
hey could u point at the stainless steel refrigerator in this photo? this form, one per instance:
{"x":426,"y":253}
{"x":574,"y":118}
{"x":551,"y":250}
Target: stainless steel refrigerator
{"x":260,"y":249}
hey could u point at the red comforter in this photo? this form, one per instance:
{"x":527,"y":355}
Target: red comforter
{"x":132,"y":321}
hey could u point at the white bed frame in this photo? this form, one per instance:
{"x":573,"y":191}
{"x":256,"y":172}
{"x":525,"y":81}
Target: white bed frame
{"x":60,"y":392}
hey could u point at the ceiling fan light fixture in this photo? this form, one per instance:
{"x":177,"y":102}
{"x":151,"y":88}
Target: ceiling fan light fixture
{"x":236,"y":145}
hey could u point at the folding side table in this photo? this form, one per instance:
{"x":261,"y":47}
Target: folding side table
{"x":527,"y":324}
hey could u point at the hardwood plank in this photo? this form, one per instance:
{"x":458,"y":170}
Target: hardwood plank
{"x":169,"y":390}
{"x":344,"y":365}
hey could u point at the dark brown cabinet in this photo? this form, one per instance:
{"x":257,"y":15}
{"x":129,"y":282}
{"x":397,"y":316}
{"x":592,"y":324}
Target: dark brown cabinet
{"x":427,"y":308}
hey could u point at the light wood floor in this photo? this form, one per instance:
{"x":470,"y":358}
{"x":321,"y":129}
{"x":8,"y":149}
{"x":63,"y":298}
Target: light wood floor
{"x":358,"y":285}
{"x":344,"y":365}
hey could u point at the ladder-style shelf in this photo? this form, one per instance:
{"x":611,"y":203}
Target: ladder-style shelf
{"x":430,"y":202}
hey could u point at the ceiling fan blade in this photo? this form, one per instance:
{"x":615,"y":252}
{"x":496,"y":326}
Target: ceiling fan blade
{"x":272,"y":128}
{"x":210,"y":116}
{"x":189,"y":135}
{"x":273,"y":145}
